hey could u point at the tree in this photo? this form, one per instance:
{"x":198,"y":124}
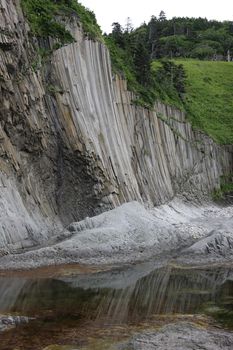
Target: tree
{"x":141,"y":54}
{"x":203,"y":52}
{"x":129,"y":25}
{"x":173,"y":46}
{"x":171,"y":77}
{"x":142,"y":63}
{"x":118,"y":34}
{"x":162,"y":16}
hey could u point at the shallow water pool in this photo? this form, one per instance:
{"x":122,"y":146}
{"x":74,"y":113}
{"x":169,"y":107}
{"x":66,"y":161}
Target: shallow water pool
{"x":95,"y":310}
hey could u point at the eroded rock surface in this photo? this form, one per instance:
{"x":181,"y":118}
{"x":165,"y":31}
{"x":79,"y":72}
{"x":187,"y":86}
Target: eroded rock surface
{"x":179,"y":231}
{"x":181,"y":336}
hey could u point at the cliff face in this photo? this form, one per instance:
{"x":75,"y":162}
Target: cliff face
{"x":72,"y":142}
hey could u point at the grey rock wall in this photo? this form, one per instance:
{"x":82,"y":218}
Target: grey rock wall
{"x":73,"y":144}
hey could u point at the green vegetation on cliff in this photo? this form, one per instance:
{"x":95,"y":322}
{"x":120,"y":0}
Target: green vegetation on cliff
{"x":130,"y":57}
{"x":124,"y":65}
{"x":157,"y":59}
{"x":46,"y":16}
{"x":226,"y":187}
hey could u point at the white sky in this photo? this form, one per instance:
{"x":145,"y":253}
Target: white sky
{"x":108,"y":11}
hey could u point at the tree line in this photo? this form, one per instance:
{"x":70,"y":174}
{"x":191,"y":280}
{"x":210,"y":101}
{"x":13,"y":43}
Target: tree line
{"x":133,"y":49}
{"x":177,"y":37}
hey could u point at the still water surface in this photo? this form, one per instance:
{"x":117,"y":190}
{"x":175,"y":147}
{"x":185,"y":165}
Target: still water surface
{"x":80,"y":309}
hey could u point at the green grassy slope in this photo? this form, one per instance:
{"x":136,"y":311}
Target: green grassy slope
{"x":208,"y":99}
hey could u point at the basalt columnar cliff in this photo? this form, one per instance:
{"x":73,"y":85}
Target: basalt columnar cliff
{"x":74,"y":144}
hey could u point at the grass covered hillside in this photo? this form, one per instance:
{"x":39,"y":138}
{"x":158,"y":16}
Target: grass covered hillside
{"x":207,"y":97}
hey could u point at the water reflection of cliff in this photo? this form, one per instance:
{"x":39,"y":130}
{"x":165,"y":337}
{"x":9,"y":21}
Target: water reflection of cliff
{"x":132,"y":294}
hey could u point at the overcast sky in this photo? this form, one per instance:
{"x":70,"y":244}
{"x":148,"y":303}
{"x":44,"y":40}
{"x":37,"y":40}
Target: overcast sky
{"x":108,"y":11}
